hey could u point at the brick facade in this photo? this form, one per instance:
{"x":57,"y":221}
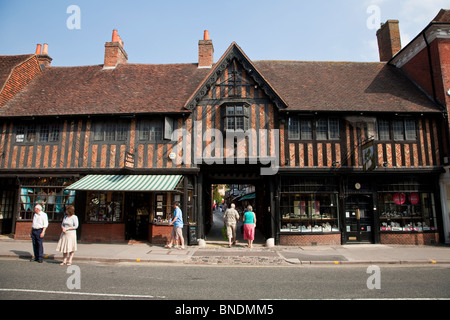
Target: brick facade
{"x":309,"y":240}
{"x":409,"y":238}
{"x":107,"y":233}
{"x":159,"y":234}
{"x":23,"y":230}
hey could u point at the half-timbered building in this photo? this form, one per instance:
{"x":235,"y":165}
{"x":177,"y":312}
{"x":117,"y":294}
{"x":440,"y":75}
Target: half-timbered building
{"x":338,"y":152}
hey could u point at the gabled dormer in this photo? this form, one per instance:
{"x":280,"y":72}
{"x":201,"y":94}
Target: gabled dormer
{"x":234,"y":77}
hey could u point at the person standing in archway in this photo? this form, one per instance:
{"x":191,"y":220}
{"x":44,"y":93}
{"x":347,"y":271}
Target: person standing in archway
{"x":249,"y":226}
{"x":230,"y":219}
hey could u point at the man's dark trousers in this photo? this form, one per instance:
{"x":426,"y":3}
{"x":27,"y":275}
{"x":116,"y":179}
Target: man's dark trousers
{"x":38,"y":247}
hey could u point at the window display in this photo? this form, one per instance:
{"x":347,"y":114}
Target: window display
{"x":163,"y":208}
{"x":52,"y":199}
{"x":104,"y":206}
{"x":309,"y":213}
{"x":403,"y":211}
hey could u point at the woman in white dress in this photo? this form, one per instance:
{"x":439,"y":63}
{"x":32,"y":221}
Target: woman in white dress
{"x":67,"y":243}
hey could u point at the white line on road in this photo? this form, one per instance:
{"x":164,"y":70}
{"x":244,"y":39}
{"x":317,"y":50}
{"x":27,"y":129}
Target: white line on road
{"x":117,"y":295}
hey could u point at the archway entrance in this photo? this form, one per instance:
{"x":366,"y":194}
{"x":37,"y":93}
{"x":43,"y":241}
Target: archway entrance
{"x":243,"y":186}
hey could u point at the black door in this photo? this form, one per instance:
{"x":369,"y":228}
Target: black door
{"x":359,"y":219}
{"x":137,"y":207}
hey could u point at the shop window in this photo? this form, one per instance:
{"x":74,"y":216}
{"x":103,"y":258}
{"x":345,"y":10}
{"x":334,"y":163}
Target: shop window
{"x":104,"y":206}
{"x":308,"y":213}
{"x":52,"y":199}
{"x":163,"y":208}
{"x":403,"y":211}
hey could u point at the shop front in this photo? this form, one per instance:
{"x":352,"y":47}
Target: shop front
{"x":127,"y":208}
{"x":407,"y":211}
{"x":394,"y":209}
{"x":50,"y":193}
{"x":309,"y":211}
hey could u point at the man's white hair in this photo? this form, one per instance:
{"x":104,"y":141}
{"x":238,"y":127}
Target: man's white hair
{"x":233,"y":205}
{"x":39,"y":207}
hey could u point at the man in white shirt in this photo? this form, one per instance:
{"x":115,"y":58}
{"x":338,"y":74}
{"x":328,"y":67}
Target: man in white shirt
{"x":38,"y":227}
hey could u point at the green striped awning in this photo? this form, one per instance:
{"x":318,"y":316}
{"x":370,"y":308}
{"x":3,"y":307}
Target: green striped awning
{"x":99,"y":182}
{"x":247,"y":197}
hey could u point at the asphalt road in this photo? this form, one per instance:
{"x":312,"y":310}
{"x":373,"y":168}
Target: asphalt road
{"x":21,"y":279}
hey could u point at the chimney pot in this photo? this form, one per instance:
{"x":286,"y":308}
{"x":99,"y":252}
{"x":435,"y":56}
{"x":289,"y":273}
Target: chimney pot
{"x":206,"y":35}
{"x":38,"y":49}
{"x":45,"y":49}
{"x":42,"y":56}
{"x":115,"y":36}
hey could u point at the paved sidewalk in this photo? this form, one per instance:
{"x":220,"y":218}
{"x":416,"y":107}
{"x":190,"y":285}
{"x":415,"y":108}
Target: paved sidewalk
{"x":219,"y":253}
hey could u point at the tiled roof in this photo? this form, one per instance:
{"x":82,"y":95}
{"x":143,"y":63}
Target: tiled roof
{"x":344,"y":86}
{"x":7,"y":64}
{"x":127,"y":89}
{"x":145,"y":88}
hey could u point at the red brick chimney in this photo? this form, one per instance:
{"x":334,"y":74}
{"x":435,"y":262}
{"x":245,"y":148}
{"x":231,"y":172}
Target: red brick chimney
{"x":114,"y":52}
{"x":389,"y":40}
{"x":43,"y":57}
{"x":205,"y":51}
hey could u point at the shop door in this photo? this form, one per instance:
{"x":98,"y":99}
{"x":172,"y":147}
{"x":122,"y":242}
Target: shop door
{"x":137,"y":212}
{"x":359,"y":219}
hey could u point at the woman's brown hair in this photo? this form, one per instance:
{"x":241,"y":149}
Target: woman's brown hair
{"x":70,"y":210}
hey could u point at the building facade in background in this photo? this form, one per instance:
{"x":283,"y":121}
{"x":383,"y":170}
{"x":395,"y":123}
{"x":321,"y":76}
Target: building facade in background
{"x":337,"y":152}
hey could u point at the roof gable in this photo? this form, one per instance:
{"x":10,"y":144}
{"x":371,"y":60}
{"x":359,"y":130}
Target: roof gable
{"x":234,"y":53}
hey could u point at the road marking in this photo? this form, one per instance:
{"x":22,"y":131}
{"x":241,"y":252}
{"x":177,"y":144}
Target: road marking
{"x":84,"y":293}
{"x":342,"y":299}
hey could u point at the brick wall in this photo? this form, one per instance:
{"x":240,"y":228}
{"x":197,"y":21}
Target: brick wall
{"x":310,"y":239}
{"x":114,"y":54}
{"x":159,"y":234}
{"x":409,"y":238}
{"x":23,"y":230}
{"x":103,"y":233}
